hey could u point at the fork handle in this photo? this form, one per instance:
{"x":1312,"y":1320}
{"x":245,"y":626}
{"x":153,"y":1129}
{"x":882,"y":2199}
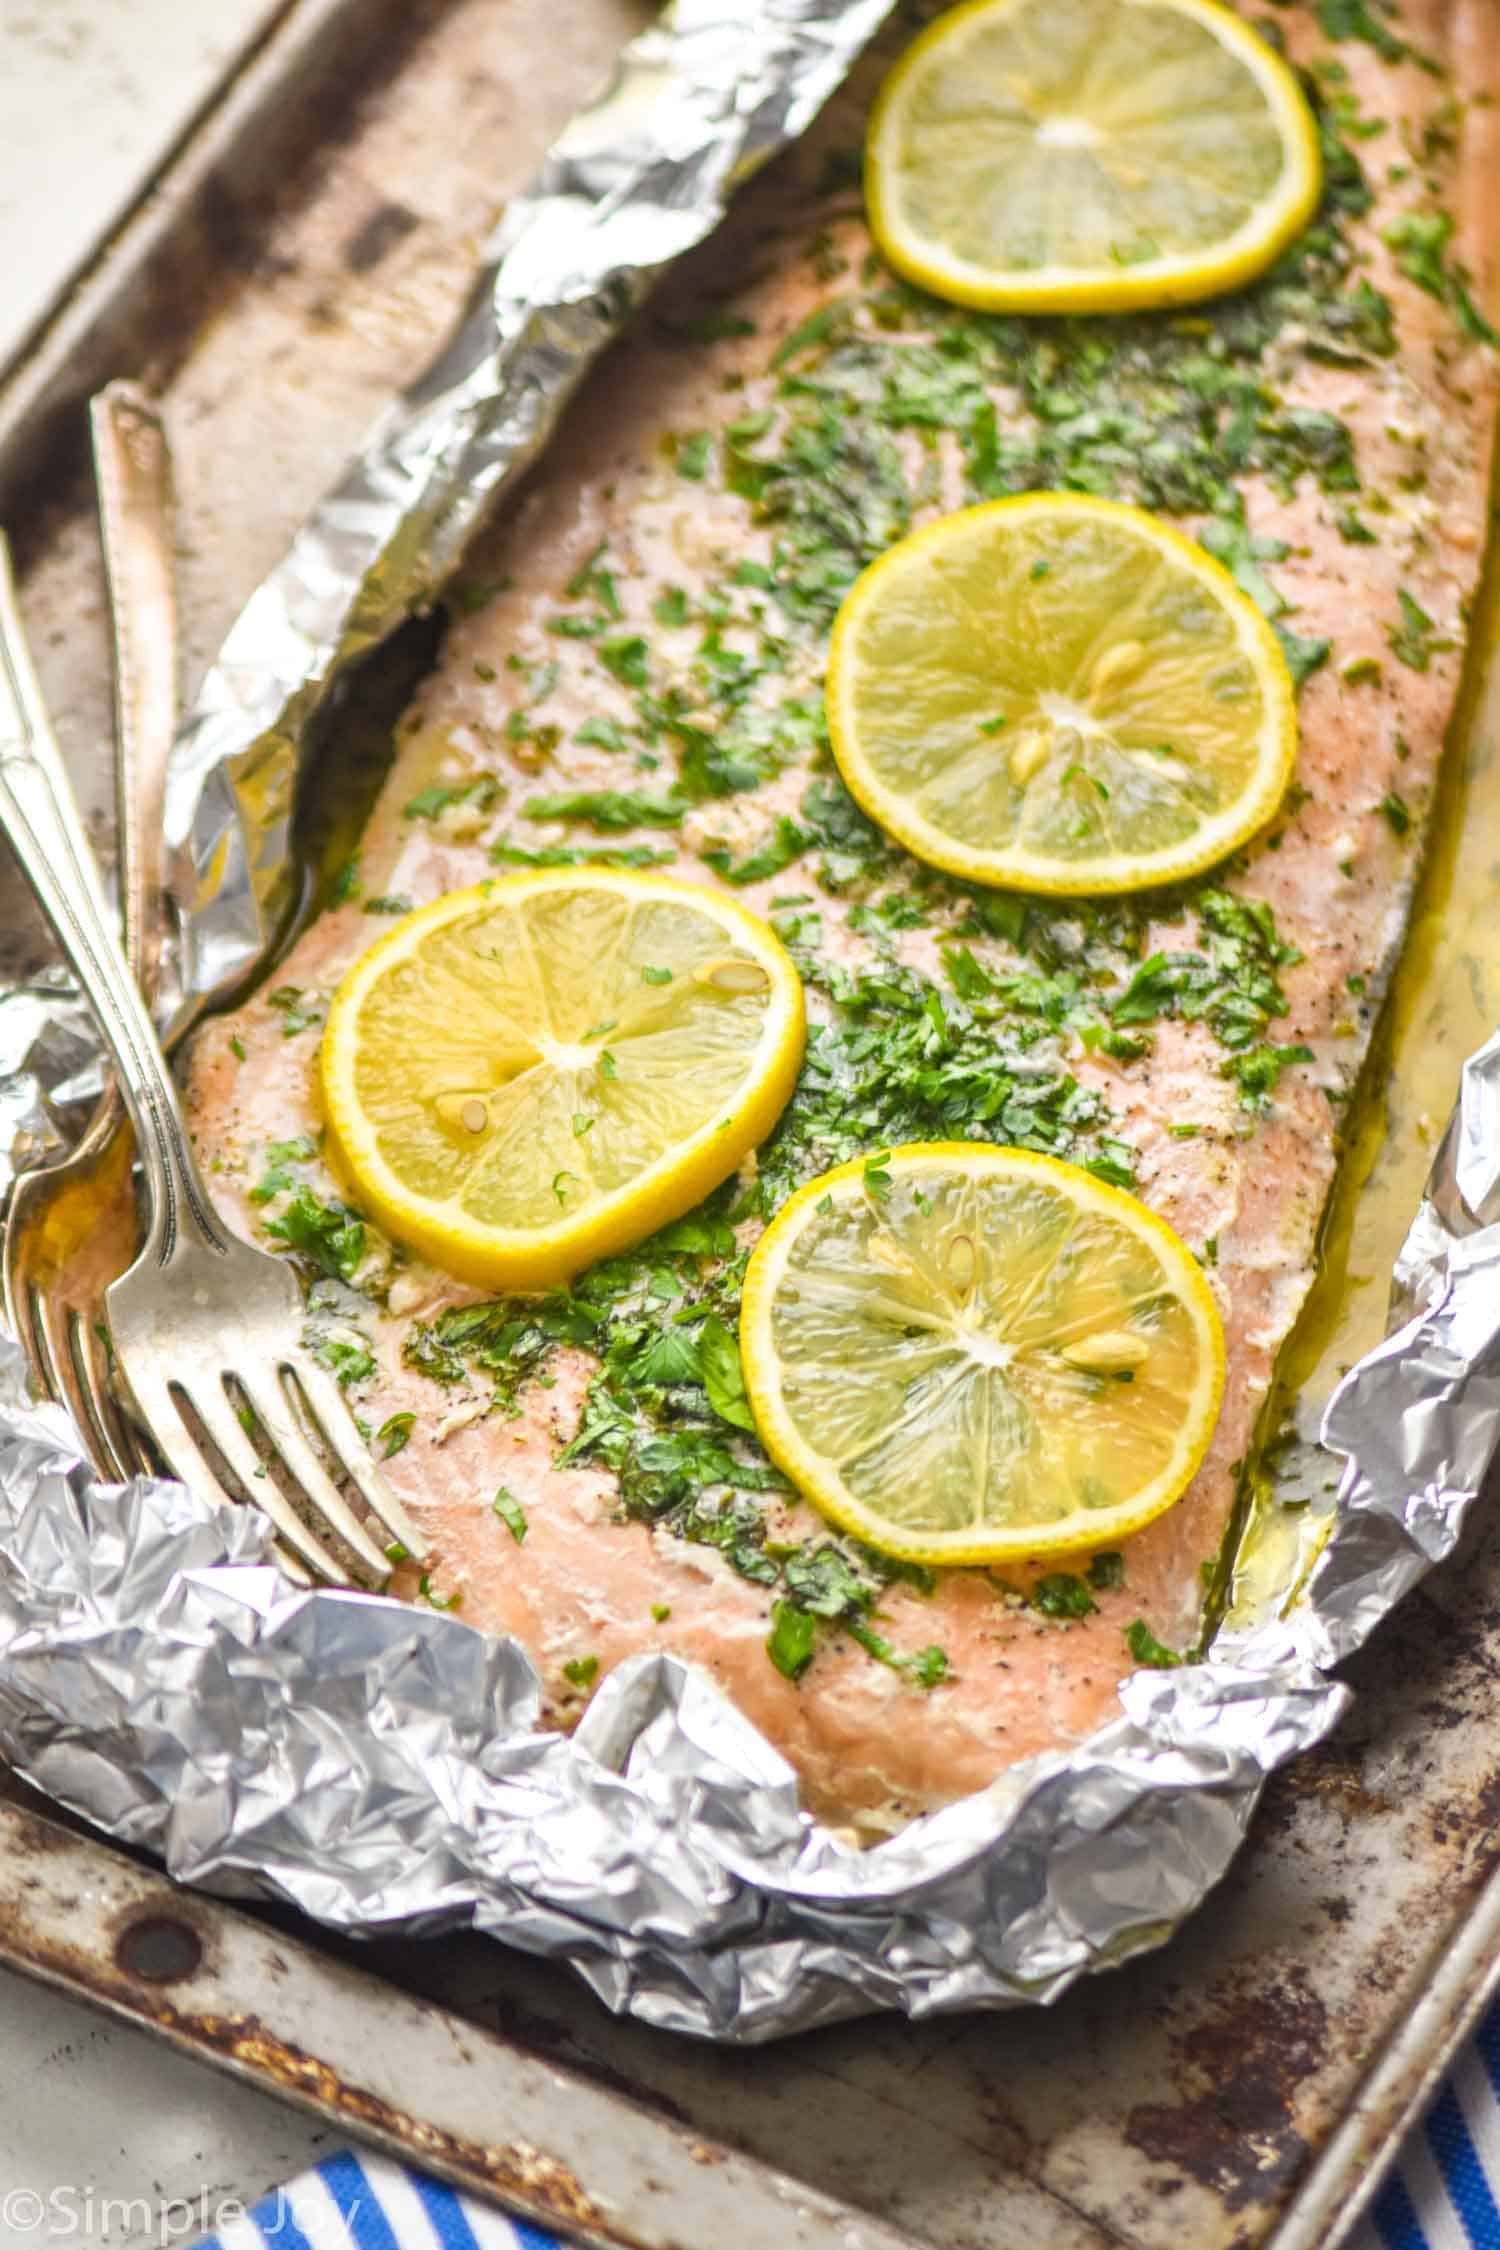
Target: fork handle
{"x":133,"y":474}
{"x":40,"y":816}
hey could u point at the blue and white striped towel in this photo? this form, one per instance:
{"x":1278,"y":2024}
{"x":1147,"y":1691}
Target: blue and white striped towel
{"x":364,"y":2202}
{"x":1445,"y":2194}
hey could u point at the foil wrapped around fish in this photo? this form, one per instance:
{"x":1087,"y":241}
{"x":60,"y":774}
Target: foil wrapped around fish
{"x":160,"y":1677}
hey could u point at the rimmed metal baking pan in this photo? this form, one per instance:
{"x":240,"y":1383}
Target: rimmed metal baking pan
{"x":294,"y":266}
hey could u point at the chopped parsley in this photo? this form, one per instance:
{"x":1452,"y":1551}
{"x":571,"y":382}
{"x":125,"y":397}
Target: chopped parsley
{"x":1305,"y":653}
{"x":722,"y":1375}
{"x":1147,"y":1649}
{"x":1061,"y":1594}
{"x":1231,"y":982}
{"x":482,"y":793}
{"x":1418,"y":240}
{"x":694,"y":455}
{"x":349,"y":1361}
{"x":508,"y":1508}
{"x":790,"y":1643}
{"x":276,"y":1178}
{"x":330,"y":1236}
{"x":394,"y":1433}
{"x":1359,"y":19}
{"x":297,"y":1011}
{"x":610,"y":808}
{"x":507,"y":854}
{"x":1416,"y":638}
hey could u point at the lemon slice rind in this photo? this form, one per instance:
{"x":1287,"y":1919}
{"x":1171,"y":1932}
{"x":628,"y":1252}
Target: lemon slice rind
{"x":821,"y":1481}
{"x":1017,"y":866}
{"x":1183,"y":277}
{"x":543,"y":1255}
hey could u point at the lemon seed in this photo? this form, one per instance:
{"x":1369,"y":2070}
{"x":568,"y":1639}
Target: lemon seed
{"x":736,"y":976}
{"x":1028,"y":758}
{"x":963,"y":1263}
{"x":1114,"y":664}
{"x":1114,"y":1351}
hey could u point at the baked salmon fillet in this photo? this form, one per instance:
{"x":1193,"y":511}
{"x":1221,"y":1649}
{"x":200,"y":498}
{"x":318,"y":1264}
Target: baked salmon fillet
{"x":633,"y":675}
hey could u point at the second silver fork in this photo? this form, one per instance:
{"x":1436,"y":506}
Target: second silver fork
{"x":206,"y":1329}
{"x":57,"y":1211}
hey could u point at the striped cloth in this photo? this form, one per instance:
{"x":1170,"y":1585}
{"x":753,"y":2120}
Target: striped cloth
{"x":366,"y":2203}
{"x":1445,"y":2194}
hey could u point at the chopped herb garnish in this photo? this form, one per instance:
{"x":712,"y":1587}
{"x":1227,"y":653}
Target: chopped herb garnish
{"x":394,"y":1433}
{"x":329,"y":1235}
{"x":508,"y":1508}
{"x":1146,"y":1648}
{"x":1359,"y":19}
{"x":507,"y":854}
{"x":1419,"y":240}
{"x":1304,"y":653}
{"x":296,"y":1010}
{"x":481,"y":793}
{"x":610,"y":808}
{"x":694,"y":455}
{"x":723,"y":1376}
{"x":581,"y":1671}
{"x":1416,"y":638}
{"x":790,"y":1644}
{"x":349,"y":1361}
{"x":786,"y":842}
{"x":626,"y":658}
{"x":1061,"y":1594}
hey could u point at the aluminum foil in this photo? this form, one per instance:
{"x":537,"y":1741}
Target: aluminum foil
{"x":382,"y":1767}
{"x":698,"y":103}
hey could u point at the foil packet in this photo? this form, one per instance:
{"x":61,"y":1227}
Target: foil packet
{"x":383,"y":1768}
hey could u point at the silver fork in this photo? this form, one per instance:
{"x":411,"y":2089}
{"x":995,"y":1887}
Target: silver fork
{"x":205,"y":1329}
{"x":57,"y":1208}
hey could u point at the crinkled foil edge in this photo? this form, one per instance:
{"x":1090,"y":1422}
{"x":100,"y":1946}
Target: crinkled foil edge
{"x":383,"y":1768}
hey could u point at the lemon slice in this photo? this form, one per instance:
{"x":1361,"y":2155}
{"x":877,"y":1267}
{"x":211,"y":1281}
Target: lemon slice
{"x":526,"y":1076}
{"x":1087,"y":155}
{"x":1058,"y":693}
{"x":967,"y":1354}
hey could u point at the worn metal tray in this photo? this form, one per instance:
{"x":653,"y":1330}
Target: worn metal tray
{"x":296,"y":263}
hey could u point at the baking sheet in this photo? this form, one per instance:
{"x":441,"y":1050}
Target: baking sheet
{"x":1173,"y":2102}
